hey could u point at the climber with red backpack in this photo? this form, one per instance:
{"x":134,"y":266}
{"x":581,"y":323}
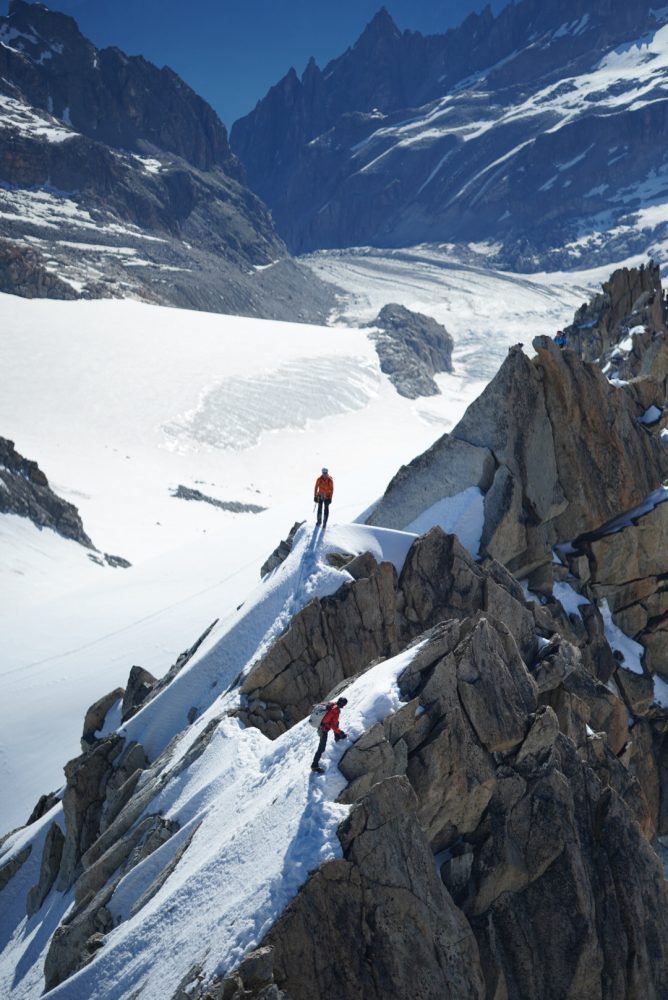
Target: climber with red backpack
{"x":326,"y":717}
{"x":322,"y":495}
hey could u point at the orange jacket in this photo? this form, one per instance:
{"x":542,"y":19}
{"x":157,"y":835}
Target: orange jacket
{"x":324,"y":488}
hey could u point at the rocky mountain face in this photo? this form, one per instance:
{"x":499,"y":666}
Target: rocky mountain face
{"x":116,"y":179}
{"x":504,"y":817}
{"x":550,"y":469}
{"x":525,"y":129}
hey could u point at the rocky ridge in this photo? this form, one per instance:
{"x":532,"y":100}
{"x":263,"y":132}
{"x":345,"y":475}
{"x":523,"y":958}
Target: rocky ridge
{"x":503,"y":819}
{"x":550,"y":468}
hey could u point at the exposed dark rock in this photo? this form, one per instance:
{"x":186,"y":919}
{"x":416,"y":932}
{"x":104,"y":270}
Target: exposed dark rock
{"x":83,"y":801}
{"x":252,"y":980}
{"x":44,"y":804}
{"x":82,"y":933}
{"x":569,"y":454}
{"x":50,"y":866}
{"x":541,"y":835}
{"x":234,"y":506}
{"x":282,"y":550}
{"x":22,"y":273}
{"x":373,"y":617}
{"x":95,"y":716}
{"x":632,"y":298}
{"x":117,"y":561}
{"x":25,"y":490}
{"x":412,"y":349}
{"x":140,"y":684}
{"x":326,"y":642}
{"x":181,"y":661}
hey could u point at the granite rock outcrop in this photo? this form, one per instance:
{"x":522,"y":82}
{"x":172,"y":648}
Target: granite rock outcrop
{"x":412,"y":348}
{"x":25,"y":491}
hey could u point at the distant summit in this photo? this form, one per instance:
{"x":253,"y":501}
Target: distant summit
{"x":526,"y":131}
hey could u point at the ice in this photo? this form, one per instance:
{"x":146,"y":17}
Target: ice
{"x":236,"y":412}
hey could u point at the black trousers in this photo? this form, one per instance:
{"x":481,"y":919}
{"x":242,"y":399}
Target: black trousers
{"x":324,"y":733}
{"x":323,"y":504}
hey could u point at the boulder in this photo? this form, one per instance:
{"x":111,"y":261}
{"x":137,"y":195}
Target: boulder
{"x":495,"y":689}
{"x":554,"y":663}
{"x":412,"y":348}
{"x":636,"y":689}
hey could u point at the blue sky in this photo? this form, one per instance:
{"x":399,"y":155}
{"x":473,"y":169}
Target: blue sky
{"x":232,"y":51}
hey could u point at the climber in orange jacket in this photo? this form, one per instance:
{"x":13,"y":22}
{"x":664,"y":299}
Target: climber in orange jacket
{"x":322,"y":495}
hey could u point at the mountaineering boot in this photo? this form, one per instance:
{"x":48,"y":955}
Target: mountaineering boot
{"x":317,"y":769}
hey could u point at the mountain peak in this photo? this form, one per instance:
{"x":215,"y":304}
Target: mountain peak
{"x":37,"y":16}
{"x":380,"y":25}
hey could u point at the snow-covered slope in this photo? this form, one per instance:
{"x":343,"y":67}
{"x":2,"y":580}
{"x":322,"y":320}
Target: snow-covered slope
{"x":243,"y":411}
{"x":256,"y":819}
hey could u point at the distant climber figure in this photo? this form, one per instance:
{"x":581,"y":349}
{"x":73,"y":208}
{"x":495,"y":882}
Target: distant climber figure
{"x":330,"y":723}
{"x":560,"y":339}
{"x":322,"y":495}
